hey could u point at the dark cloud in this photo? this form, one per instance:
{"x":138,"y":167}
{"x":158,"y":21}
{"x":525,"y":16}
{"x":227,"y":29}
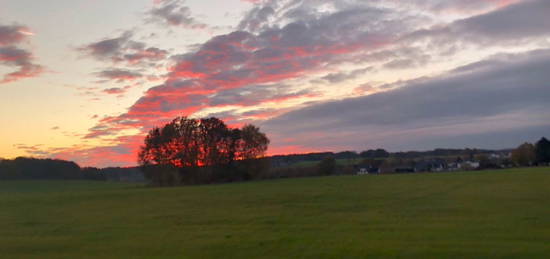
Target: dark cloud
{"x":12,"y":55}
{"x":21,"y":59}
{"x":468,"y":101}
{"x":117,"y":90}
{"x":119,"y":75}
{"x":12,"y":34}
{"x":453,"y":6}
{"x":174,"y":13}
{"x":256,"y":18}
{"x":256,"y":94}
{"x":521,"y":22}
{"x":124,"y":49}
{"x":407,"y":63}
{"x":339,"y":77}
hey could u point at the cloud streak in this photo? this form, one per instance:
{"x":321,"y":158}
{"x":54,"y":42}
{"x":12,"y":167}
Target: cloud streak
{"x":123,"y":49}
{"x":513,"y":94}
{"x":11,"y":55}
{"x":174,"y":13}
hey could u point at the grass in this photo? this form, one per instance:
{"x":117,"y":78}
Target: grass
{"x":489,"y":214}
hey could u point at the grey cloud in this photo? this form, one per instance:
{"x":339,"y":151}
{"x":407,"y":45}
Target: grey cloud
{"x":445,"y":6}
{"x":119,"y":75}
{"x":515,"y":23}
{"x":12,"y":55}
{"x":11,"y":34}
{"x":295,"y":39}
{"x":21,"y":59}
{"x":117,"y":90}
{"x":405,"y":63}
{"x":256,"y":94}
{"x":473,"y":101}
{"x":123,"y":49}
{"x":256,"y":18}
{"x":339,"y":77}
{"x":173,"y":12}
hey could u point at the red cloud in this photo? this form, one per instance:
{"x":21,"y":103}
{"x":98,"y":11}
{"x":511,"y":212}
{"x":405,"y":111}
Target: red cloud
{"x":235,"y":61}
{"x":122,"y":152}
{"x":13,"y":56}
{"x":12,"y":34}
{"x":22,"y":59}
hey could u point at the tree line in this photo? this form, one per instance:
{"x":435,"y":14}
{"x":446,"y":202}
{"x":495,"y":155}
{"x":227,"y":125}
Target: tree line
{"x":528,"y":154}
{"x":23,"y":168}
{"x":198,"y":151}
{"x":190,"y":151}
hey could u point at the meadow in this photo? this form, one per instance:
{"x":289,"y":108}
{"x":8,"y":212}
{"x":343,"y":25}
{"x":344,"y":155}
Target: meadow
{"x":497,"y":214}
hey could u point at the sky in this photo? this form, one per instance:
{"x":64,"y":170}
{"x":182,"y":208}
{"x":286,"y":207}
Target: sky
{"x":86,"y":80}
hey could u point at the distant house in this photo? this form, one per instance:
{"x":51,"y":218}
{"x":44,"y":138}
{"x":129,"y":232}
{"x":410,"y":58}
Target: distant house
{"x":454,"y":166}
{"x":368,"y":170}
{"x":469,"y":165}
{"x":431,"y":165}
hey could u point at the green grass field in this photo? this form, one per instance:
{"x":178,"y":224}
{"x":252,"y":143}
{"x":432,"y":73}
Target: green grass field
{"x":489,"y":214}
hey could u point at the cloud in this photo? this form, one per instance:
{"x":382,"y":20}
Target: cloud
{"x":119,"y":75}
{"x":455,"y":6}
{"x":256,"y":94}
{"x":12,"y":34}
{"x":479,"y":100}
{"x":21,"y":59}
{"x":174,"y":13}
{"x":228,"y":68}
{"x":521,"y":22}
{"x":124,"y":49}
{"x":364,"y":89}
{"x":117,"y":90}
{"x":34,"y":150}
{"x":121,"y":152}
{"x":12,"y":55}
{"x":335,"y":78}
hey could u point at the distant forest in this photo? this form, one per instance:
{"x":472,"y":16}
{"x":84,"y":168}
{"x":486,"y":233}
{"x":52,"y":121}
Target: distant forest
{"x":294,"y":165}
{"x":286,"y":160}
{"x":23,"y":168}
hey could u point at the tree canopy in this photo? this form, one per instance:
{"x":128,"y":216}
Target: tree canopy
{"x":185,"y":144}
{"x":542,"y":150}
{"x":524,"y":155}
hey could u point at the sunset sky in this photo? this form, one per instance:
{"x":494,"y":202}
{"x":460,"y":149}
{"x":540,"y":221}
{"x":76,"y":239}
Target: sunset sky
{"x":85,"y":80}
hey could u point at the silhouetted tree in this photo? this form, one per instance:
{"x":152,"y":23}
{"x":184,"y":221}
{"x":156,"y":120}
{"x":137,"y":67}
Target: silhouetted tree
{"x":378,"y":153}
{"x":253,"y":143}
{"x":542,"y":151}
{"x":23,"y":168}
{"x":524,"y":155}
{"x":346,"y":155}
{"x":204,"y":150}
{"x":327,"y":166}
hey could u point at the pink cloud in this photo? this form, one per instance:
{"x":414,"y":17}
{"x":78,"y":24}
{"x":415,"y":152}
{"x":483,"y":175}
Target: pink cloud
{"x":12,"y":55}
